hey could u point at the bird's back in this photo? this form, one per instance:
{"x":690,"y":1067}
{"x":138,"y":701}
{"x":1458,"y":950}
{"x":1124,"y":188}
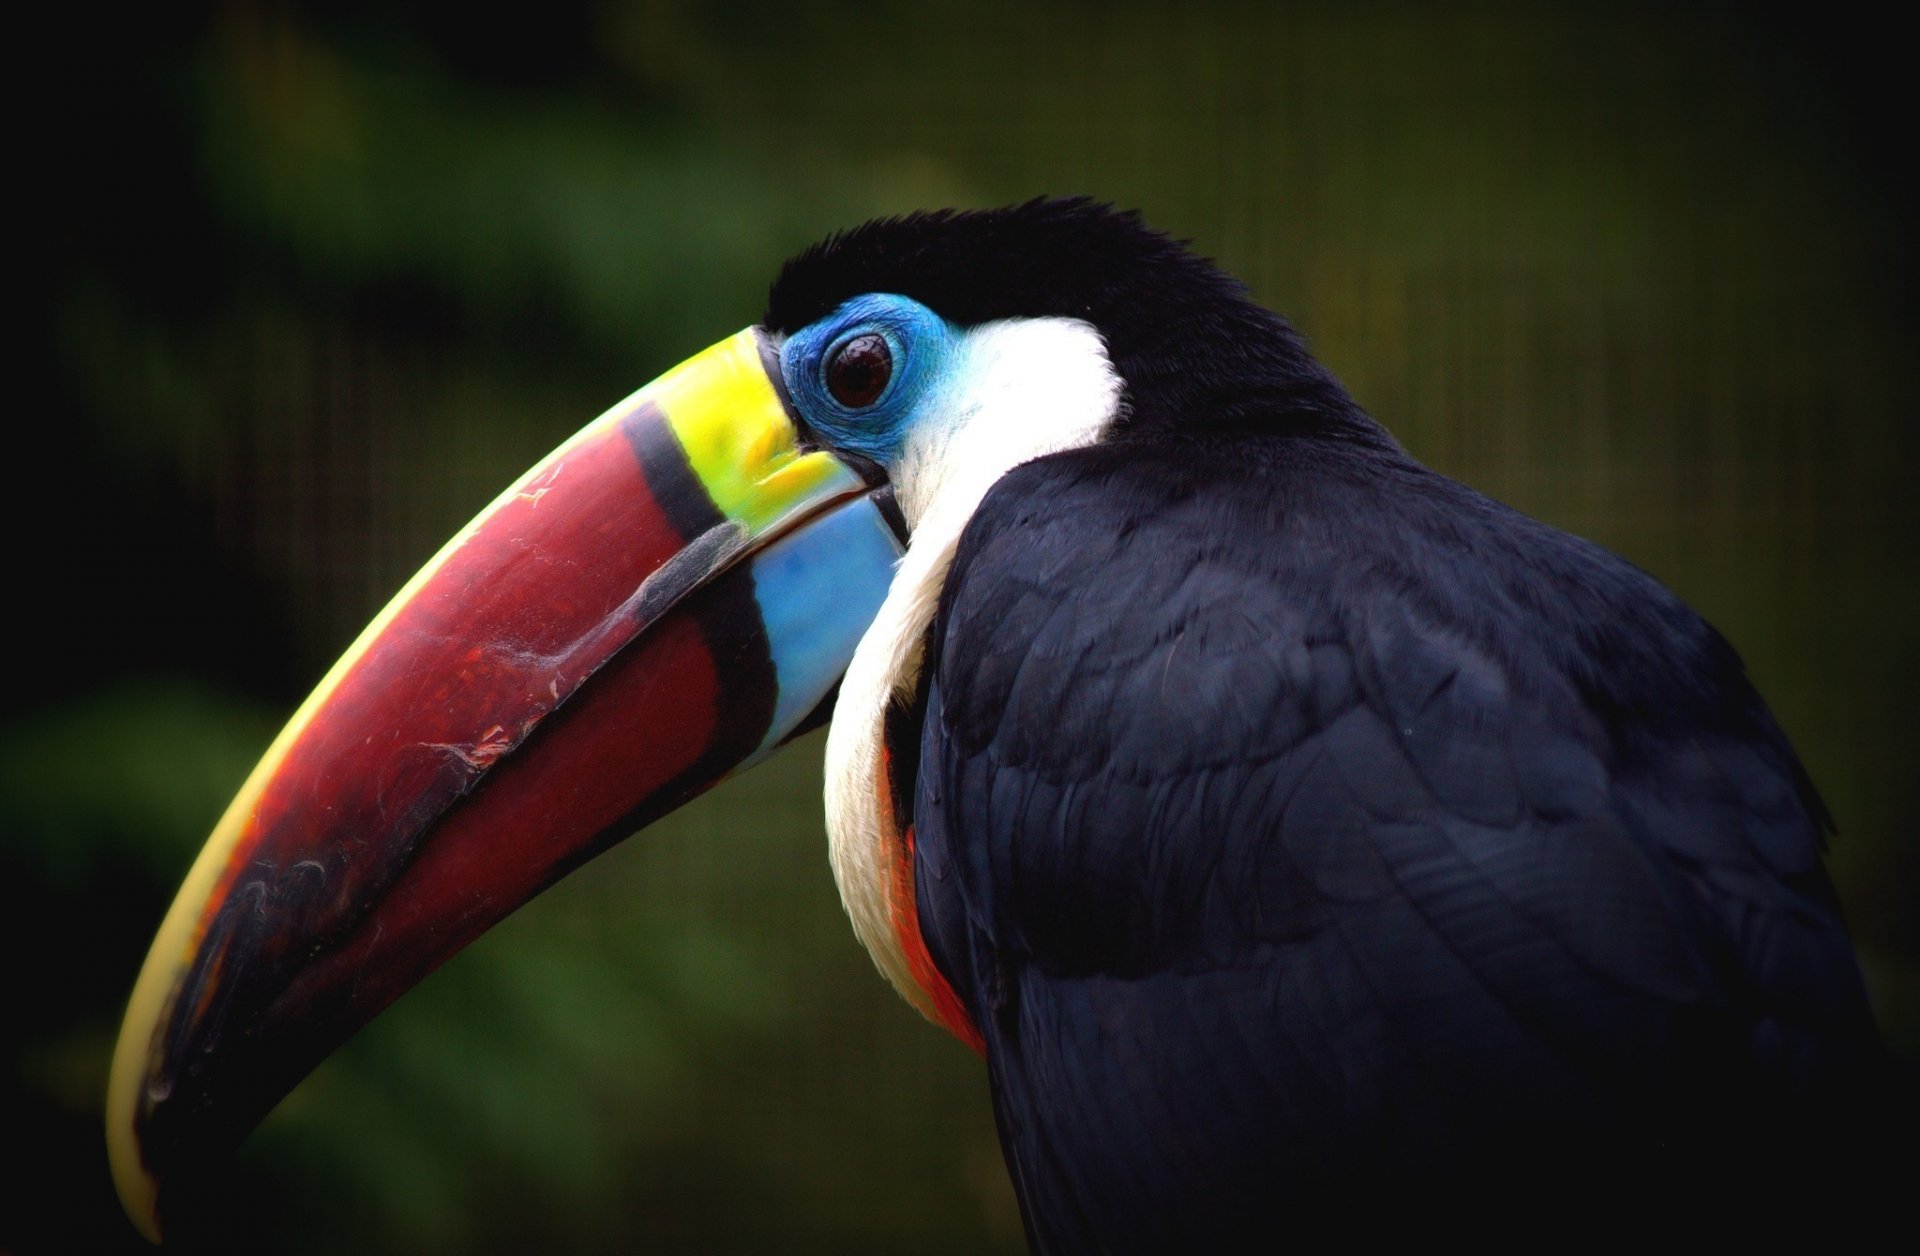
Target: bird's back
{"x":1334,"y":835}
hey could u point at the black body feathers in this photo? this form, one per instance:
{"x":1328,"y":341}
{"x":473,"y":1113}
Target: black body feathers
{"x":1314,"y":834}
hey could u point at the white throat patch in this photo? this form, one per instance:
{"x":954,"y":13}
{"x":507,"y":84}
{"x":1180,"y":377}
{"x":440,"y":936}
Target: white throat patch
{"x":1021,"y":388}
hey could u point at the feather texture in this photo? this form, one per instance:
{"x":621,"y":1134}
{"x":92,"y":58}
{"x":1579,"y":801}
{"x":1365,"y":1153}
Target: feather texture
{"x":1303,"y":829}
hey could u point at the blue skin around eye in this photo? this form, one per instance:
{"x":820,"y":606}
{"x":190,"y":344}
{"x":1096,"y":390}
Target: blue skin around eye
{"x":922,"y":344}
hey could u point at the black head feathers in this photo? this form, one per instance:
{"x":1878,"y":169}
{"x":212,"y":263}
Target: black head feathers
{"x":1193,"y":350}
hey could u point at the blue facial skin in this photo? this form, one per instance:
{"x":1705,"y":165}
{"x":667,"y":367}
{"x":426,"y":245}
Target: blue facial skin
{"x":922,"y":344}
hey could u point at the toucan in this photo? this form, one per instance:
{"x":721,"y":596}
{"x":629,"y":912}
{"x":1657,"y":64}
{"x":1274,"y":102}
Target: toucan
{"x":1300,"y":836}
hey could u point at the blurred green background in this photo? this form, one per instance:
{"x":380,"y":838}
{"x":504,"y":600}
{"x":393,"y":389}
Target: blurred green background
{"x":305,"y":287}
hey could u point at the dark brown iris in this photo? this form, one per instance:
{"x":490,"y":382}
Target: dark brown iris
{"x":858,"y":371}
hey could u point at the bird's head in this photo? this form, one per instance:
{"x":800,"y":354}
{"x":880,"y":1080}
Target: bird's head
{"x":1190,"y":349}
{"x":666,"y":598}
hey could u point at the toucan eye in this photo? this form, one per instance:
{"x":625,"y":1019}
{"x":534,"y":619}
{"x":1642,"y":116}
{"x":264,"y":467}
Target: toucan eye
{"x":858,"y":371}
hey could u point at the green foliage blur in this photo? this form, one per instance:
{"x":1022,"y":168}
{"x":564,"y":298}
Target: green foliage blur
{"x":307,"y":285}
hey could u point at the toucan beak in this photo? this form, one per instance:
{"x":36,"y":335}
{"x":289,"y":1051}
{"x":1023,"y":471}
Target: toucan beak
{"x":670,"y":594}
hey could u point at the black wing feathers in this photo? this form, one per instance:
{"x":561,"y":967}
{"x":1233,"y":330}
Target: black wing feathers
{"x":1301,"y":818}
